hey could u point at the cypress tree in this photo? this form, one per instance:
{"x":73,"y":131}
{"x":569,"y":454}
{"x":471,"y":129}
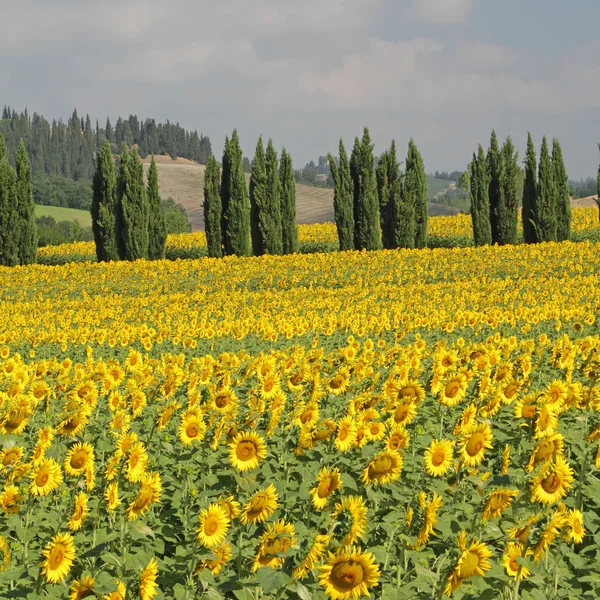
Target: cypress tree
{"x":403,"y":199}
{"x":367,"y":230}
{"x":480,"y":203}
{"x":385,"y":222}
{"x":495,"y":166}
{"x":9,"y":216}
{"x":212,"y":208}
{"x":27,"y":230}
{"x":258,"y":198}
{"x":235,"y":200}
{"x":289,"y":229}
{"x":104,"y":205}
{"x":508,"y":212}
{"x":530,"y":194}
{"x":271,"y":216}
{"x":157,"y":228}
{"x":563,"y":195}
{"x":343,"y":199}
{"x":132,"y":221}
{"x":224,"y":188}
{"x":546,"y":197}
{"x":417,"y":193}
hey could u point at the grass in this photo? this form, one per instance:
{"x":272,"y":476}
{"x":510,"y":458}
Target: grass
{"x":184,"y":182}
{"x":64,"y":214}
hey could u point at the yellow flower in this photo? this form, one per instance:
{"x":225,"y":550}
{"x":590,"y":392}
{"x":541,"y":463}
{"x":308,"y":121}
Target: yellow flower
{"x":246,"y":451}
{"x":453,"y":390}
{"x":513,"y":551}
{"x":438,"y":457}
{"x":148,"y":494}
{"x":275,"y":542}
{"x":546,"y":450}
{"x":45,"y":477}
{"x":351,"y":514}
{"x":374,"y":431}
{"x":498,"y":501}
{"x":79,"y":512}
{"x":575,"y":528}
{"x":328,"y":481}
{"x":430,"y":518}
{"x":119,"y":594}
{"x":553,"y":482}
{"x":474,"y":444}
{"x":505,"y":459}
{"x":404,"y":413}
{"x":222,"y":555}
{"x":313,"y":556}
{"x":10,"y":456}
{"x":137,"y":462}
{"x":346,"y":434}
{"x":383,"y":468}
{"x":111,"y":495}
{"x":59,"y":556}
{"x":11,"y":499}
{"x":82,"y":588}
{"x":339,"y":382}
{"x":148,"y":586}
{"x":191,"y":429}
{"x":79,"y":458}
{"x":261,"y":506}
{"x":398,"y":438}
{"x":231,"y":506}
{"x":348,"y":574}
{"x":474,"y":560}
{"x":214,"y":525}
{"x":5,"y":563}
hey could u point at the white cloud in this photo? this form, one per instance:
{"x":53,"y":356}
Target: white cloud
{"x":443,"y":11}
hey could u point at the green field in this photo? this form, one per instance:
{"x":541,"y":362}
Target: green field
{"x":64,"y":214}
{"x":435,"y":186}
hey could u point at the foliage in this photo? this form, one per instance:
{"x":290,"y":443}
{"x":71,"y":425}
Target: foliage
{"x":57,"y":190}
{"x":480,"y":203}
{"x":157,"y":229}
{"x":545,"y":206}
{"x":416,"y":181}
{"x":26,"y":233}
{"x":530,"y":190}
{"x":563,"y":195}
{"x":212,"y":208}
{"x":51,"y":232}
{"x":508,"y":210}
{"x":343,"y":199}
{"x":289,"y":229}
{"x":495,"y":166}
{"x":258,"y":197}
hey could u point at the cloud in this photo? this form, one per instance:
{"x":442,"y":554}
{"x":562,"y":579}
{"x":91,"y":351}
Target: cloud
{"x":443,"y":11}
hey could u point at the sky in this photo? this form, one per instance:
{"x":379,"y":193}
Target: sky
{"x":307,"y":72}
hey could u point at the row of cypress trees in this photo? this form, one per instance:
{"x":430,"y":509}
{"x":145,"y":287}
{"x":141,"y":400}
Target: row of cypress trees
{"x":18,"y":231}
{"x":494,"y":192}
{"x":126,"y":218}
{"x":381,"y":207}
{"x":255,"y":220}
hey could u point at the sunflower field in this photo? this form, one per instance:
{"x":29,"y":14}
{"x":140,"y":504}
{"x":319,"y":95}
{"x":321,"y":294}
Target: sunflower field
{"x":400,"y":424}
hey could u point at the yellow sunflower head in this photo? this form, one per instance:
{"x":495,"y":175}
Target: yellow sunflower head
{"x":439,"y":457}
{"x":328,"y":482}
{"x":214,"y":525}
{"x":59,"y":555}
{"x":383,"y":468}
{"x":247,"y":450}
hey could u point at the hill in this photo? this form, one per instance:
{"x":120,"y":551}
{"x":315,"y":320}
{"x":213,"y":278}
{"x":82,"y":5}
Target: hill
{"x":64,"y":214}
{"x":183,"y":180}
{"x":584,"y":202}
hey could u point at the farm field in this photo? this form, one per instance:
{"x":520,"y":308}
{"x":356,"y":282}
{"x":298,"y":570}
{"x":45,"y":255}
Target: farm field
{"x":60,"y":213}
{"x":404,"y":424}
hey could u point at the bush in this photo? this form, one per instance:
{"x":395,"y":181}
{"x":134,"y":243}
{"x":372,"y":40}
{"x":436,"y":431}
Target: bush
{"x":53,"y":233}
{"x":56,"y":190}
{"x":176,"y":217}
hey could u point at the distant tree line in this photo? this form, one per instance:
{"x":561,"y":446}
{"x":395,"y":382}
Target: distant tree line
{"x":68,"y":149}
{"x":444,"y":175}
{"x":255,"y":220}
{"x":495,"y":198}
{"x":583,"y":188}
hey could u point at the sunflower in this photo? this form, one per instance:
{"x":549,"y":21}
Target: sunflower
{"x":575,"y":528}
{"x":214,"y":525}
{"x":509,"y":391}
{"x":553,"y":482}
{"x":453,"y":390}
{"x":222,"y":555}
{"x":79,"y":512}
{"x":79,"y":458}
{"x":410,"y":391}
{"x":45,"y":477}
{"x":546,"y":450}
{"x":191,"y":429}
{"x":308,"y":415}
{"x":261,"y":506}
{"x":556,"y":394}
{"x":148,"y":586}
{"x":223,"y":400}
{"x":398,"y":438}
{"x":274,"y":543}
{"x":119,"y":594}
{"x":328,"y":481}
{"x":383,"y":468}
{"x":4,"y":549}
{"x":346,"y":434}
{"x":473,"y":560}
{"x":351,"y":514}
{"x":546,"y":422}
{"x":138,"y":403}
{"x":438,"y":457}
{"x":374,"y":431}
{"x":149,"y":493}
{"x":339,"y":382}
{"x":314,"y":554}
{"x":467,"y":421}
{"x":232,"y":508}
{"x":430,"y":518}
{"x":505,"y":459}
{"x":111,"y":496}
{"x":10,"y":456}
{"x":526,"y":408}
{"x":82,"y":588}
{"x":513,"y":551}
{"x":59,"y":555}
{"x":474,"y":444}
{"x":498,"y":501}
{"x":137,"y":462}
{"x":348,"y":574}
{"x":558,"y":520}
{"x":246,"y":451}
{"x":404,"y":413}
{"x":11,"y":499}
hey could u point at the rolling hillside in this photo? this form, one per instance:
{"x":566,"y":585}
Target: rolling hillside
{"x":183,"y":180}
{"x":64,"y":214}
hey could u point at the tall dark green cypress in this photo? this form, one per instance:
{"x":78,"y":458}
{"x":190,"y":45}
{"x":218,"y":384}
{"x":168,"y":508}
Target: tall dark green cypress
{"x":530,"y":189}
{"x":289,"y":229}
{"x":403,"y":194}
{"x":104,"y":203}
{"x":258,"y":194}
{"x":9,"y":215}
{"x":495,"y":166}
{"x":508,"y":213}
{"x":546,"y":197}
{"x":563,"y":195}
{"x":224,"y":188}
{"x":157,"y":228}
{"x":386,"y":224}
{"x":416,"y":178}
{"x":235,"y":200}
{"x":480,"y":202}
{"x":343,"y":199}
{"x":212,"y":208}
{"x":271,"y":217}
{"x":27,"y":230}
{"x":367,"y":229}
{"x":132,"y":206}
